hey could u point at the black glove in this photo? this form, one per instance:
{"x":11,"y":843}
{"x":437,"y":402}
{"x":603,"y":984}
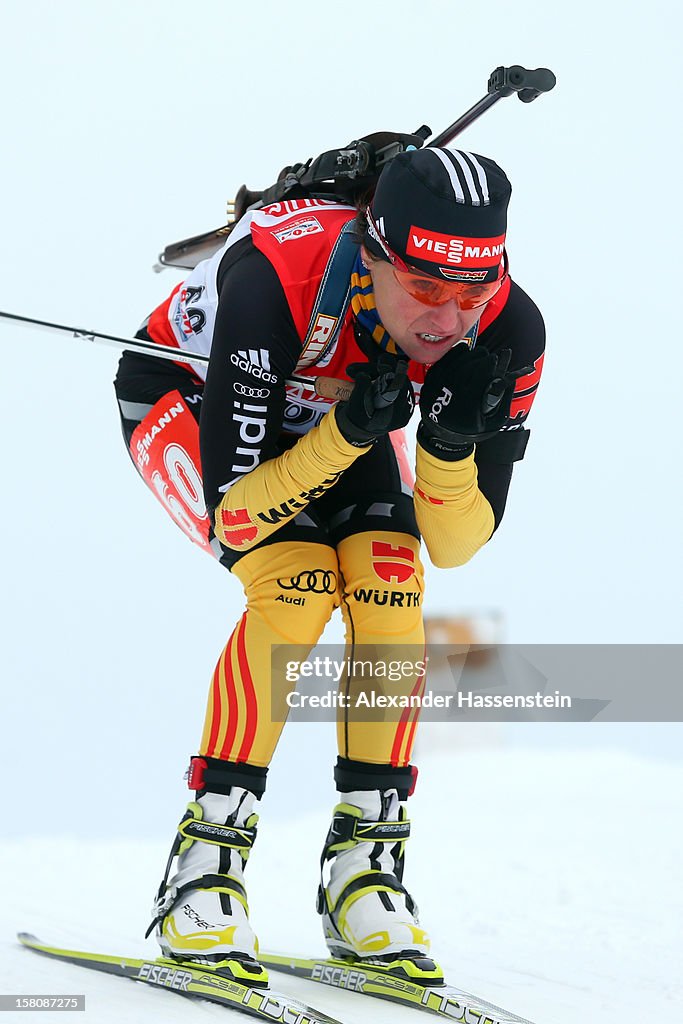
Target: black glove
{"x":382,"y":400}
{"x":465,"y":398}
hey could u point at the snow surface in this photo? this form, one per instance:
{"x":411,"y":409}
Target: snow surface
{"x":550,"y":882}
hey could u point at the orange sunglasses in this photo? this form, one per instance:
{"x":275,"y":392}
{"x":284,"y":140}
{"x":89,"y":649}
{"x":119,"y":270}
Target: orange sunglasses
{"x":430,"y":290}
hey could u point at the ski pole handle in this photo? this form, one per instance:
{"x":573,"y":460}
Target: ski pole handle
{"x":326,"y":387}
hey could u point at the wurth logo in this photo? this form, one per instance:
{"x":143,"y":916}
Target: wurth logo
{"x":237,"y":527}
{"x":291,"y":506}
{"x":439,"y":248}
{"x":393,"y":563}
{"x":394,"y":598}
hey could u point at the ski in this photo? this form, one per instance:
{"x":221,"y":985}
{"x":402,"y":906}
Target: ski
{"x":193,"y":982}
{"x":442,"y":1000}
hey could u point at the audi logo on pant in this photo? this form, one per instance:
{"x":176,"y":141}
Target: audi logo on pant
{"x":315,"y":581}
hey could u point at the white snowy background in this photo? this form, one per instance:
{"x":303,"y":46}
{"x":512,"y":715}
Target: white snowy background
{"x":545,"y":862}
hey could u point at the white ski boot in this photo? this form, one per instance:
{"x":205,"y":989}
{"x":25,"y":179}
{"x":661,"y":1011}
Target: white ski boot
{"x":201,"y":913}
{"x":367,"y":913}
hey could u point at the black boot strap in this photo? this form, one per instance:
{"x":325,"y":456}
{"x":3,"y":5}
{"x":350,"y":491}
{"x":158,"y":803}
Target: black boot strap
{"x":218,"y":835}
{"x":346,"y":828}
{"x":172,"y":895}
{"x":372,"y":878}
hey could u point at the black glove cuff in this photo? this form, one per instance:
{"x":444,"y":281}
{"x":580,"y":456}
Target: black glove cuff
{"x":447,"y":451}
{"x":354,"y":435}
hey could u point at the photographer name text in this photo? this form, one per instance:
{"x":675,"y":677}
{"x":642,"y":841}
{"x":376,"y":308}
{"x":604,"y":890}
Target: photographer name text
{"x":467,"y":699}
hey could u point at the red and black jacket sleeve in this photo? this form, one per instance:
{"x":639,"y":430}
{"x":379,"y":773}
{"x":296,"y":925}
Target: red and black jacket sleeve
{"x":254,"y":349}
{"x":252,"y":483}
{"x":460,"y":504}
{"x":519,"y":327}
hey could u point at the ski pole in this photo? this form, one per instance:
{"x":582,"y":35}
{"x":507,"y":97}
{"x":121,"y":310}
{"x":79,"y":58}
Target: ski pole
{"x":324,"y":387}
{"x":351,"y":164}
